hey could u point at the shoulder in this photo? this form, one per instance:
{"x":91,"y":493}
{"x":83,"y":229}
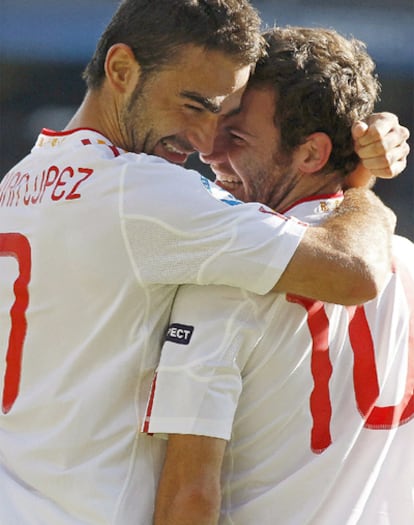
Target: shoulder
{"x":162,"y":173}
{"x":403,"y":251}
{"x":402,"y":244}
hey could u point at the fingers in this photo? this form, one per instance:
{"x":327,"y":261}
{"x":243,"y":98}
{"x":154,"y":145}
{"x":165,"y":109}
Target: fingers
{"x":391,"y":166}
{"x":359,"y":129}
{"x":383,"y":147}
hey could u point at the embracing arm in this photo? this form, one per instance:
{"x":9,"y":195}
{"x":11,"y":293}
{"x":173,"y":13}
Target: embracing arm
{"x":189,"y":488}
{"x":344,"y":260}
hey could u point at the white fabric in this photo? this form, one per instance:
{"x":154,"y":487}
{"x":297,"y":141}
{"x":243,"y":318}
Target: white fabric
{"x":299,"y":452}
{"x":93,"y":243}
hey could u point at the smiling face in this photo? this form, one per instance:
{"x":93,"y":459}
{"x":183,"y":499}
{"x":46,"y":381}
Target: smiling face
{"x":247,"y":159}
{"x":174,"y":112}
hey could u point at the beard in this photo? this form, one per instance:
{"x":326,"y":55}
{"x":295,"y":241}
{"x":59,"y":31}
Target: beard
{"x":134,"y":120}
{"x":272,"y":183}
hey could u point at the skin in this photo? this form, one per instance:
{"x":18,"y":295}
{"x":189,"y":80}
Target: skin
{"x":248,"y":161}
{"x":170,"y":113}
{"x":199,"y":460}
{"x":382,"y":147}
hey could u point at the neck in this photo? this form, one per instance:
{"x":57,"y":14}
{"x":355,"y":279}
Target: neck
{"x":95,"y":113}
{"x":309,"y":186}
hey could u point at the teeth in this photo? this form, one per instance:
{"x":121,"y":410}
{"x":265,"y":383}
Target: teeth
{"x":230,"y":181}
{"x":169,"y":147}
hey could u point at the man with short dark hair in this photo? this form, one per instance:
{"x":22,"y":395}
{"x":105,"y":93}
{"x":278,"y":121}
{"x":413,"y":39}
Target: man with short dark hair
{"x":298,"y":411}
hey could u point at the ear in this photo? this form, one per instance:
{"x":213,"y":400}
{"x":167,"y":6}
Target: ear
{"x":121,"y":68}
{"x":314,"y":153}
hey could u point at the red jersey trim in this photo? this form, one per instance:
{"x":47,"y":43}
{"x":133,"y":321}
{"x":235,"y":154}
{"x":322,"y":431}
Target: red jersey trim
{"x":53,"y":133}
{"x":323,"y":196}
{"x":148,"y":413}
{"x":86,"y":142}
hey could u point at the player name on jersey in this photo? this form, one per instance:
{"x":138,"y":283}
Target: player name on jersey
{"x":55,"y":183}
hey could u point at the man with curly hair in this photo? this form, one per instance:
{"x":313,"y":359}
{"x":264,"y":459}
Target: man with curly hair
{"x":298,"y":411}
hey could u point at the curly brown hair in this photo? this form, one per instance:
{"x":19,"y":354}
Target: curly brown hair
{"x":322,"y":82}
{"x":156,"y":30}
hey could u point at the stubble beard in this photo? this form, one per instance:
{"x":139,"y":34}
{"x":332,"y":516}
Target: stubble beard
{"x":135,"y":125}
{"x":272,"y":184}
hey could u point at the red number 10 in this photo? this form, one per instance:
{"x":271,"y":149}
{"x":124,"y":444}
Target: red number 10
{"x":17,"y":246}
{"x":364,"y":371}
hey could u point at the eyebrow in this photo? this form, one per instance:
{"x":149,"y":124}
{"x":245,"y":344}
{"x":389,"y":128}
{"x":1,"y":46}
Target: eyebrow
{"x":233,"y":112}
{"x":206,"y":102}
{"x":229,"y":129}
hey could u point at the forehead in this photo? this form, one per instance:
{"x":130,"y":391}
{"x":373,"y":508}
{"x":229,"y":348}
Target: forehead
{"x":211,"y":74}
{"x":256,"y":112}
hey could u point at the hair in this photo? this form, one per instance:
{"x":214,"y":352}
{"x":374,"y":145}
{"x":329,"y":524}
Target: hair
{"x":157,"y":30}
{"x":323,"y":82}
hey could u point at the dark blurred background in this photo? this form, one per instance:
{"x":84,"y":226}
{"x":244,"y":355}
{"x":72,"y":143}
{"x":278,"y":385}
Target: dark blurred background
{"x":45,"y":44}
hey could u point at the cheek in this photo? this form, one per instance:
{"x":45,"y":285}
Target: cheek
{"x":256,"y":179}
{"x":247,"y":167}
{"x":183,"y":120}
{"x":164,"y":113}
{"x":238,"y":157}
{"x":169,"y":122}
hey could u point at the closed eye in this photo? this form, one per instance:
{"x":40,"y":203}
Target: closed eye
{"x":235,"y":138}
{"x":197,"y":109}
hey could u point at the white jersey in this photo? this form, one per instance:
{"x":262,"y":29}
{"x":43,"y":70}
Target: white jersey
{"x":318,"y":399}
{"x":93,"y":243}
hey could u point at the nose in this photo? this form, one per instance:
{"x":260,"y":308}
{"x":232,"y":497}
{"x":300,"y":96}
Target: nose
{"x":219,"y":150}
{"x":203,"y":135}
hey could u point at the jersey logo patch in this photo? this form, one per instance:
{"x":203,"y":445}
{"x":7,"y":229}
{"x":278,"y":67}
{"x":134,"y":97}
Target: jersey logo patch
{"x":219,"y":193}
{"x":179,"y":333}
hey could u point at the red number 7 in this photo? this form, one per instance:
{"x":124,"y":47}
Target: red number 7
{"x":17,"y":246}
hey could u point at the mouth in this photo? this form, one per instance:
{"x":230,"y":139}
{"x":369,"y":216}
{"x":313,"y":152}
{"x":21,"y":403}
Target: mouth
{"x":174,"y":152}
{"x":227,"y":181}
{"x":233,"y":187}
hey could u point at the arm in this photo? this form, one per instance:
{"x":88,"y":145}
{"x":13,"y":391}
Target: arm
{"x":189,"y":488}
{"x":346,"y":259}
{"x":195,"y":396}
{"x":381,"y":143}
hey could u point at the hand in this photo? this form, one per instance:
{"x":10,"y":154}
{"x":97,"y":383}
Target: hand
{"x":381,"y":143}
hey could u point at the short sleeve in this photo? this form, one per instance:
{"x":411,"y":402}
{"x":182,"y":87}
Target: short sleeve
{"x":182,"y":229}
{"x":198,"y":381}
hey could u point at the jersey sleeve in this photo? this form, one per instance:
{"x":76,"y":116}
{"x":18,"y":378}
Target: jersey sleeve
{"x":180,"y":228}
{"x":198,"y":382}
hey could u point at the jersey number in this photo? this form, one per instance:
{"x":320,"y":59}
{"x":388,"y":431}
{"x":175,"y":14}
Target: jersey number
{"x":17,"y":246}
{"x":364,"y":371}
